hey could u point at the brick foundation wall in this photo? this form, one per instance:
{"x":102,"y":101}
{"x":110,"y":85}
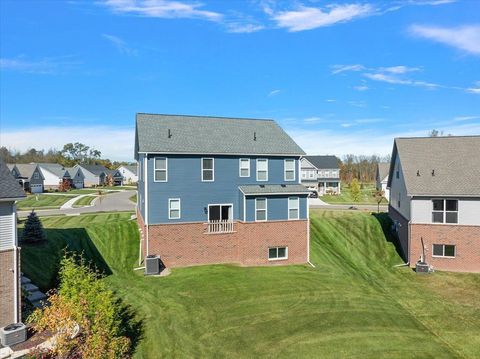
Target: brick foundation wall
{"x":465,"y":238}
{"x":187,"y":244}
{"x":7,"y":298}
{"x":402,"y":230}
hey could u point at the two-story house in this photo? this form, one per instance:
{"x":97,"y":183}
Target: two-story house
{"x":219,"y":190}
{"x":321,"y":173}
{"x":10,"y":290}
{"x":435,"y":197}
{"x":381,"y":177}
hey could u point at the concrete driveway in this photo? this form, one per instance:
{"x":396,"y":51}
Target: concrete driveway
{"x":112,"y":202}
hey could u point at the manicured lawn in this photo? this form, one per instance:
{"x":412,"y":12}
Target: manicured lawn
{"x":366,"y":196}
{"x":43,"y":201}
{"x":354,"y":304}
{"x":84,"y":201}
{"x":83,"y":191}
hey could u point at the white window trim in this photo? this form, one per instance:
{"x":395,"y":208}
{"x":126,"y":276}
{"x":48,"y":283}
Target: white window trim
{"x":179,"y":208}
{"x":298,"y":208}
{"x":277,"y":259}
{"x":262,"y":159}
{"x":158,"y":169}
{"x":213,"y":169}
{"x":444,"y":211}
{"x":240,"y":166}
{"x":266,"y":210}
{"x":443,"y":245}
{"x":285,"y":170}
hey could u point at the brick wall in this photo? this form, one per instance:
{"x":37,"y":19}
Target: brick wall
{"x":187,"y":244}
{"x":402,"y":230}
{"x":465,"y":238}
{"x":7,"y":298}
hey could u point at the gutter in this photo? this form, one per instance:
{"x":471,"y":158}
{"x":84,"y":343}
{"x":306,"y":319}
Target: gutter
{"x":15,"y":267}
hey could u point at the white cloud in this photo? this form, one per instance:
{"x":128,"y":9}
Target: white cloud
{"x":474,"y":90}
{"x":330,"y":100}
{"x":337,"y":69}
{"x":465,"y":38}
{"x":465,"y":118}
{"x":362,"y":121}
{"x":243,"y":28}
{"x":391,"y":79}
{"x":120,"y":45}
{"x":313,"y":120}
{"x":162,"y":9}
{"x":114,"y":142}
{"x":44,"y":66}
{"x":307,"y":18}
{"x":273,"y":93}
{"x":398,"y":69}
{"x":361,"y":88}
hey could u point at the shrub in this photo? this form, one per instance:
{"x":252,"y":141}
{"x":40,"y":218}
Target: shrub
{"x":33,"y":230}
{"x":355,"y":190}
{"x":83,"y":314}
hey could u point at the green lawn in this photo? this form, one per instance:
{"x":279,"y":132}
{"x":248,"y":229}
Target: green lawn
{"x":43,"y":201}
{"x":367,"y":196}
{"x":83,"y":191}
{"x":84,"y":201}
{"x":354,"y":304}
{"x":133,"y":198}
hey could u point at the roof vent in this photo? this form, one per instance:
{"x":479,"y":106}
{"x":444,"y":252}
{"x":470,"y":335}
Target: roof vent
{"x":433,"y":173}
{"x":262,"y":186}
{"x":254,"y":136}
{"x":169,"y":133}
{"x":418,"y":173}
{"x":284,"y":185}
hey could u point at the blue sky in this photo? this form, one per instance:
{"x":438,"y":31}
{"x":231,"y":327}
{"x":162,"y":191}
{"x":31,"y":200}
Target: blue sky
{"x":340,"y":76}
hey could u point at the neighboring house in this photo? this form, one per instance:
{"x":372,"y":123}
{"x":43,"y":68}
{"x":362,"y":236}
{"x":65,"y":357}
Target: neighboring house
{"x":54,"y":175}
{"x":219,"y":190}
{"x":29,"y":176}
{"x":382,"y":179}
{"x":76,"y":177}
{"x":117,"y":177}
{"x":94,"y":175}
{"x":129,"y":174}
{"x":321,"y":173}
{"x":10,"y":290}
{"x":435,"y":196}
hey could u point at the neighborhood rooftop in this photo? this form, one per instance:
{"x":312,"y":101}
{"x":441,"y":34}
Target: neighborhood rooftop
{"x":448,"y":166}
{"x":9,"y":186}
{"x":323,"y":162}
{"x":211,"y":135}
{"x":383,"y":169}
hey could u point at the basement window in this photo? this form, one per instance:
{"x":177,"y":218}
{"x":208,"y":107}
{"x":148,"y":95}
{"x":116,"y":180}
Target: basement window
{"x":444,"y":250}
{"x":277,"y":253}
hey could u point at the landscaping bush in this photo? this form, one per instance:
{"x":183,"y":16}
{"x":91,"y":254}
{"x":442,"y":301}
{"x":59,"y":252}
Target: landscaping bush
{"x":33,"y":230}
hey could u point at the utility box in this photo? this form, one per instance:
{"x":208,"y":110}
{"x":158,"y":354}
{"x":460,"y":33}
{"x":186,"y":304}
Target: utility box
{"x":13,"y":334}
{"x":152,"y":264}
{"x":422,"y":268}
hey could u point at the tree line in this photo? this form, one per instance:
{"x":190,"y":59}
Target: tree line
{"x":363,"y":168}
{"x":71,"y":154}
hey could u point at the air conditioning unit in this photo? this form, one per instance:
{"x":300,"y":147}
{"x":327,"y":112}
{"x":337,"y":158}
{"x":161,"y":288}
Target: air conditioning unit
{"x":152,"y":264}
{"x":13,"y":334}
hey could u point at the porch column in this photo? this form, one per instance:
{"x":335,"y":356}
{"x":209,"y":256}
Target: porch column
{"x":338,"y":187}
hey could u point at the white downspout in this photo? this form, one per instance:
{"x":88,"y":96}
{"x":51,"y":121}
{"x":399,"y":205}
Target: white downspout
{"x":15,"y":266}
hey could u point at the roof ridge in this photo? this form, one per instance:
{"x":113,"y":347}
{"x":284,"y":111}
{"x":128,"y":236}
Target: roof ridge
{"x":205,"y":116}
{"x":436,"y":137}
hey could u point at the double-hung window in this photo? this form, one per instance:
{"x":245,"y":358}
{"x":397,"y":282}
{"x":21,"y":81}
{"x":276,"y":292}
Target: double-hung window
{"x":174,"y":208}
{"x":276,"y":253}
{"x":443,"y":250}
{"x":289,"y":169}
{"x":260,"y":209}
{"x":160,"y":169}
{"x":445,"y":211}
{"x":244,"y":167}
{"x":262,"y":169}
{"x":36,"y":175}
{"x":208,"y":170}
{"x":293,"y":207}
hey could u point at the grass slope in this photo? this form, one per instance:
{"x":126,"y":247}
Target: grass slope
{"x":367,"y":196}
{"x":353,"y":304}
{"x":84,"y":201}
{"x":43,"y":201}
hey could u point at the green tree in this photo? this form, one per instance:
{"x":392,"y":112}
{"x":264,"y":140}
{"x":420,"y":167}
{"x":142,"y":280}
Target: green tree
{"x":33,"y":230}
{"x":84,"y":315}
{"x":355,"y":189}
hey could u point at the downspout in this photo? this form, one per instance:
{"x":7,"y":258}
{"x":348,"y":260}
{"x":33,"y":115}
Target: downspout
{"x":145,"y":179}
{"x":16,"y":288}
{"x":409,"y":225}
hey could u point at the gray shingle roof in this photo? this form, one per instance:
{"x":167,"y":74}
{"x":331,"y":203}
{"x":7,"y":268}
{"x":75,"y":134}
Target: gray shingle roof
{"x":95,"y":169}
{"x":323,"y":162}
{"x":455,"y":160}
{"x":54,"y":168}
{"x":274,"y":189}
{"x":9,"y":186}
{"x":211,"y":135}
{"x":383,"y":168}
{"x":26,"y":169}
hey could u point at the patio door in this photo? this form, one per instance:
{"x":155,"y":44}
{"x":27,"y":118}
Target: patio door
{"x":220,"y":212}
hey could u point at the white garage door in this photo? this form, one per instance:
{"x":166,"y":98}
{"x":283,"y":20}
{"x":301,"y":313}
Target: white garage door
{"x":36,"y":188}
{"x":78,"y":184}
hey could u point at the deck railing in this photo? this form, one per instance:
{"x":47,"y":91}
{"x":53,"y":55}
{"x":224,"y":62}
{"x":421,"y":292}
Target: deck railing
{"x":220,"y":226}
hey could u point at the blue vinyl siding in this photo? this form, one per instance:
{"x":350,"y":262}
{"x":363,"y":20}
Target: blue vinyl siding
{"x":141,"y":187}
{"x":277,"y":207}
{"x":184,"y":182}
